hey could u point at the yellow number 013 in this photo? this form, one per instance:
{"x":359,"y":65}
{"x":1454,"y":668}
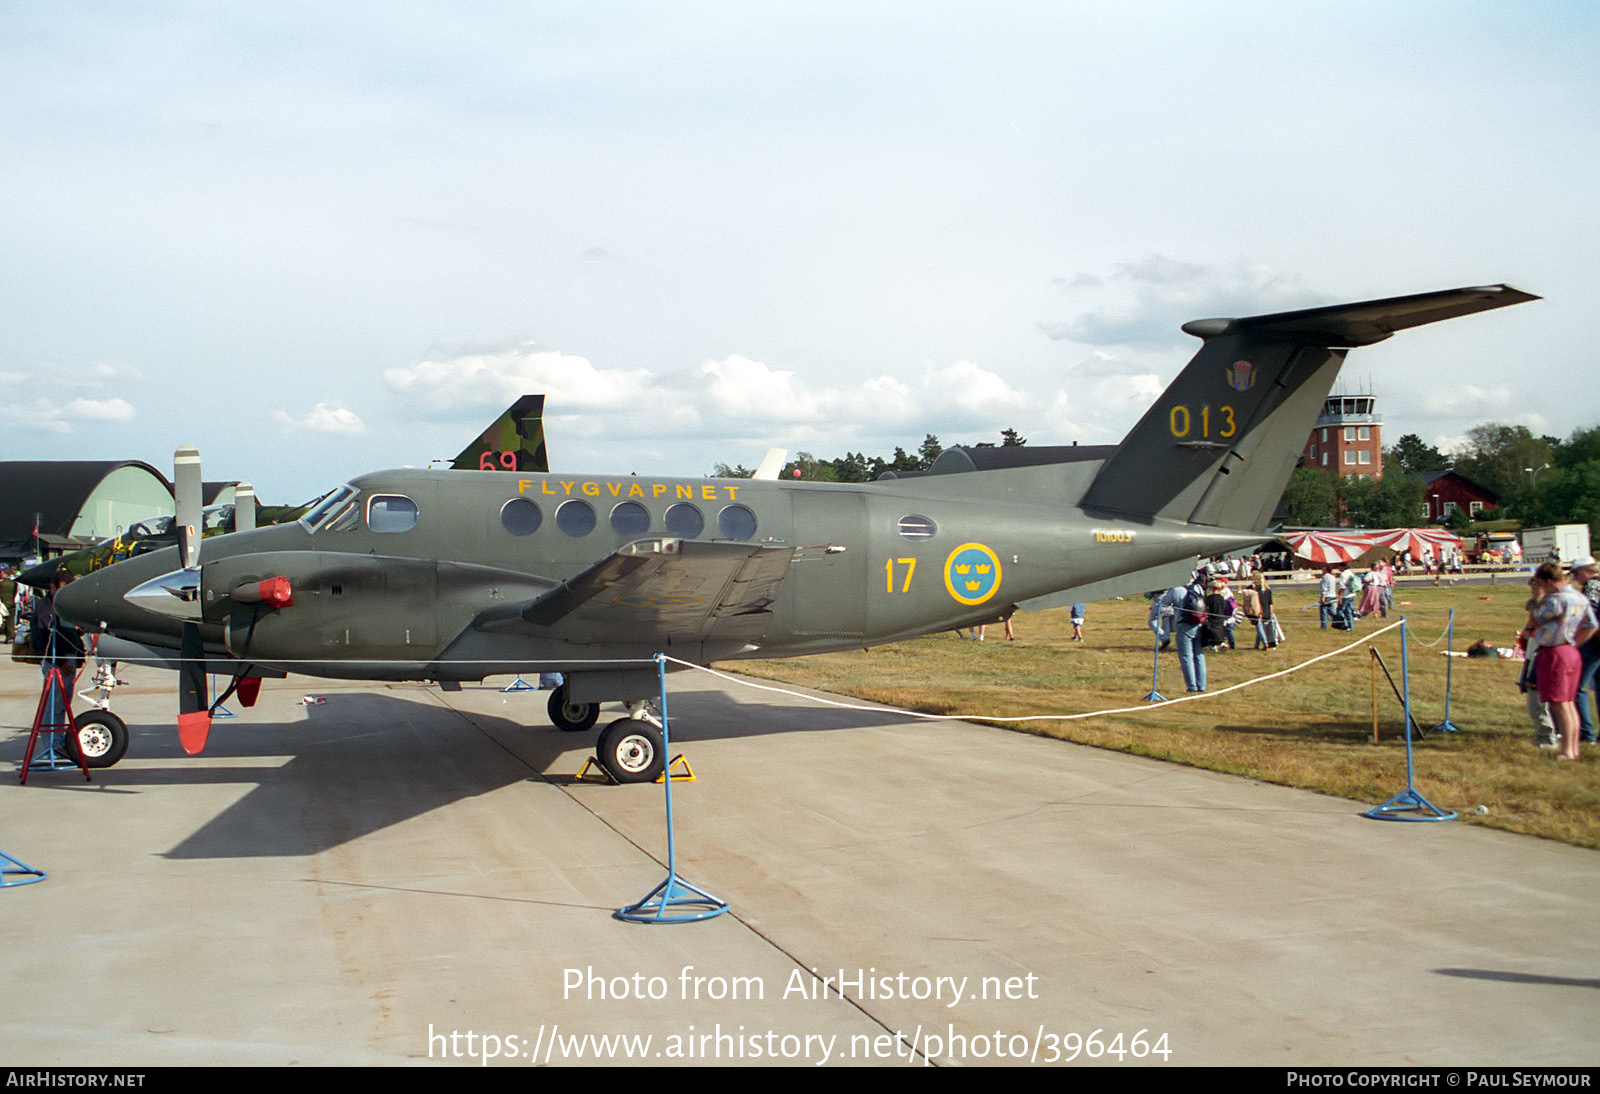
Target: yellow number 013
{"x":1181,"y":421}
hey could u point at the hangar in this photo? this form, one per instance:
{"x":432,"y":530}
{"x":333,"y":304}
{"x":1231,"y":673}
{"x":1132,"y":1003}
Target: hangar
{"x":65,"y":504}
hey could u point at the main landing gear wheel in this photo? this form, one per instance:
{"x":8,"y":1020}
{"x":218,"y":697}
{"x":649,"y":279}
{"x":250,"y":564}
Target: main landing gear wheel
{"x":101,"y":738}
{"x":572,"y":717}
{"x":631,"y":751}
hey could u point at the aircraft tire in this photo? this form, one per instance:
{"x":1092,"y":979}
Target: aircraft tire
{"x":631,"y":751}
{"x":101,"y":737}
{"x":571,"y":717}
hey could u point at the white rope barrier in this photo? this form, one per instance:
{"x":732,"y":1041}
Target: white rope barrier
{"x":880,"y":708}
{"x":875,"y":708}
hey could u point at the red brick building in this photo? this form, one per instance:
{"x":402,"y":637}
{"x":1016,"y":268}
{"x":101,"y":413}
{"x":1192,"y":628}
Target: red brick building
{"x":1348,"y":438}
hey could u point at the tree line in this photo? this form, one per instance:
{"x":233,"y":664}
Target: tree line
{"x":1539,"y":479}
{"x":857,"y":467}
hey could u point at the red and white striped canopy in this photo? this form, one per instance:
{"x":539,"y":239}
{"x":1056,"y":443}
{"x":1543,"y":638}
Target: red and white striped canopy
{"x":1412,"y":541}
{"x":1325,"y":547}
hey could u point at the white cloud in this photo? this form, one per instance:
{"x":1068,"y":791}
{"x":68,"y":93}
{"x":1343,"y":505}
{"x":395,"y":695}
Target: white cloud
{"x":741,"y":388}
{"x":497,"y":378}
{"x":323,"y":418}
{"x":49,"y":416}
{"x":1146,"y":302}
{"x":733,"y":398}
{"x":1467,"y":400}
{"x":82,"y":398}
{"x":100,"y":410}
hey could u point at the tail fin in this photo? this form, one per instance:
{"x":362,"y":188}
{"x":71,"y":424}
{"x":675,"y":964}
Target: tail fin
{"x":515,"y":442}
{"x":1218,"y":446}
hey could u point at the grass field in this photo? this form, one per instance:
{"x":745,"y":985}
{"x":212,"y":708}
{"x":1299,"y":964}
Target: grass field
{"x":1311,"y":729}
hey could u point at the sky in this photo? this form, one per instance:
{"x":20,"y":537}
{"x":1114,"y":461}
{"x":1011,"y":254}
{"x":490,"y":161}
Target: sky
{"x":317,"y":240}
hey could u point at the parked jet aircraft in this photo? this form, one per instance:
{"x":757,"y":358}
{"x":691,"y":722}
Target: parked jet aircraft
{"x":152,"y":534}
{"x":419,"y":575}
{"x":513,"y":442}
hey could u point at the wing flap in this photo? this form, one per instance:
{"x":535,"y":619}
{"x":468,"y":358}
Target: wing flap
{"x":661,"y":591}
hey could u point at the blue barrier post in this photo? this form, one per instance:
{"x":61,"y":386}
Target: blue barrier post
{"x":674,"y":892}
{"x":1408,"y":805}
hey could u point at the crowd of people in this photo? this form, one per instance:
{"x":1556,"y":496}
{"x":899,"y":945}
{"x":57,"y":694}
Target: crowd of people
{"x":1344,"y":596}
{"x":1205,"y":613}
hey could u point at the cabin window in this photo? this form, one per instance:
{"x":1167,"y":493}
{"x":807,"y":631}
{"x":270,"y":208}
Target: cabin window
{"x":685,"y":521}
{"x":736,"y":522}
{"x":630,"y":519}
{"x":391,"y":513}
{"x":521,"y":517}
{"x":917,"y":527}
{"x":575,"y":518}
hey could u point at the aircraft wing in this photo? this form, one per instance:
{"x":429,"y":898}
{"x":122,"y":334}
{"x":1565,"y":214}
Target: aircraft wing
{"x":659,"y":590}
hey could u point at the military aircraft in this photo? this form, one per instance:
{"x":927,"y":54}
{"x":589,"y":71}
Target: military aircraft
{"x":513,"y":442}
{"x":154,"y":533}
{"x":427,"y":575}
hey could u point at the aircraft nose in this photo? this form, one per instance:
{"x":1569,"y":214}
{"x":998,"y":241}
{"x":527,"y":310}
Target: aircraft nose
{"x":79,"y":602}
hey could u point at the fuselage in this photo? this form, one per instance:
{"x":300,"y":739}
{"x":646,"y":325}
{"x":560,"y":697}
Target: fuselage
{"x":389,"y":576}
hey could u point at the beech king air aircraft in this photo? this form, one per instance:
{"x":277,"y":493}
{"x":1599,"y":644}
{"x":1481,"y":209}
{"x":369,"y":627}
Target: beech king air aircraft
{"x":434,"y":575}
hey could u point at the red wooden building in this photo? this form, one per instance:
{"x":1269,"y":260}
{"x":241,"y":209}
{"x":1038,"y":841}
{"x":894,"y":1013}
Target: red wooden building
{"x":1443,"y":492}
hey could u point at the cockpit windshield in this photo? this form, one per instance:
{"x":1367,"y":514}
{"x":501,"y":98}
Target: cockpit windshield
{"x":151,"y":527}
{"x":326,"y":513}
{"x":218,"y":519}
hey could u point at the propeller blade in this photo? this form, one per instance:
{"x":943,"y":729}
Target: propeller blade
{"x":194,"y":697}
{"x":244,"y":507}
{"x":189,"y":493}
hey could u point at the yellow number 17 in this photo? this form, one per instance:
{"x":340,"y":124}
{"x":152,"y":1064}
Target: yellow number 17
{"x":888,"y":573}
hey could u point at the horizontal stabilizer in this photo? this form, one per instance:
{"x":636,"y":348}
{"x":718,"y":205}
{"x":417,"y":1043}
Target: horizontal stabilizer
{"x":1368,"y":322}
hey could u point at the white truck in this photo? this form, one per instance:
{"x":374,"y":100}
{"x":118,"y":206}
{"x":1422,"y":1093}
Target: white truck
{"x":1562,"y":542}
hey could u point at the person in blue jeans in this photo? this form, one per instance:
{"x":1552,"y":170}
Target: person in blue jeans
{"x":1327,"y":596}
{"x":1187,"y":628}
{"x":1586,"y":577}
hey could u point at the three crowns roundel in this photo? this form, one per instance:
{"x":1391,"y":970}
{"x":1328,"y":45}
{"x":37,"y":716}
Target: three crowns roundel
{"x":972,"y":573}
